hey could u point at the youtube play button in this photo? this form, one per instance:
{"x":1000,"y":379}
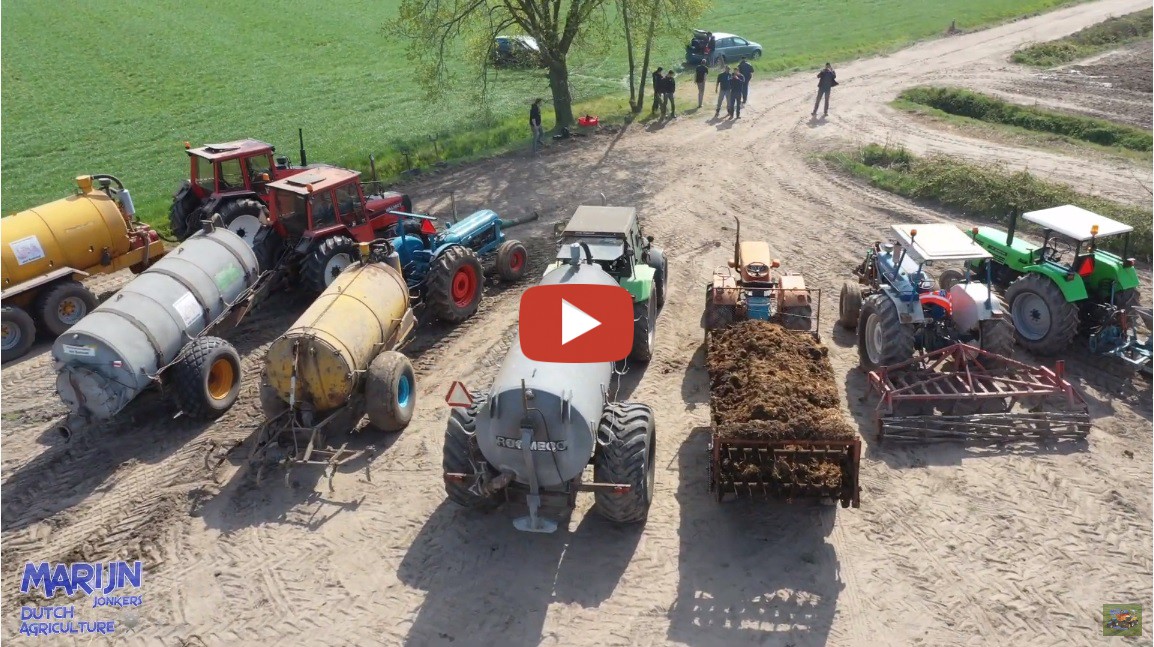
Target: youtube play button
{"x":576,"y":323}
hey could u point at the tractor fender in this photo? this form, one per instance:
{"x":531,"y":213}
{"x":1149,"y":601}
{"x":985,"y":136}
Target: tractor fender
{"x":725,"y":290}
{"x":909,"y":312}
{"x":792,"y":292}
{"x":971,"y":303}
{"x":640,"y":285}
{"x":437,"y":251}
{"x":212,"y":205}
{"x":1073,"y":289}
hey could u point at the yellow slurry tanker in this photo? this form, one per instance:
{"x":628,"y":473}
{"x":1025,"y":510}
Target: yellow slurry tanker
{"x":338,"y":361}
{"x":47,"y":250}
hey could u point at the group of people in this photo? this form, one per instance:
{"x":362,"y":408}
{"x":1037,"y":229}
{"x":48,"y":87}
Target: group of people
{"x":732,"y":87}
{"x":664,"y":87}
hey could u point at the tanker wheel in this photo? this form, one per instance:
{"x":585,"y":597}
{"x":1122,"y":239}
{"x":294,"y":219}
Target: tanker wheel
{"x":328,"y":260}
{"x":512,"y":260}
{"x":244,"y":218}
{"x":660,"y":274}
{"x":463,"y":456}
{"x":628,"y":458}
{"x":454,"y":285}
{"x":644,"y":331}
{"x":797,"y":318}
{"x":1044,"y":321}
{"x":206,"y":380}
{"x":17,"y":332}
{"x":882,"y":339}
{"x":63,"y":305}
{"x":390,"y":393}
{"x":849,"y":305}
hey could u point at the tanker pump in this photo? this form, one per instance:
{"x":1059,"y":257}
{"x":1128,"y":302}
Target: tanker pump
{"x":541,"y":424}
{"x":339,"y":361}
{"x":47,"y":250}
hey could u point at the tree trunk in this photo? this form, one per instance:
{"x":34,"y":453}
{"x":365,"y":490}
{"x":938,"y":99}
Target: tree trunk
{"x":645,"y":63}
{"x":559,"y":84}
{"x":633,"y":102}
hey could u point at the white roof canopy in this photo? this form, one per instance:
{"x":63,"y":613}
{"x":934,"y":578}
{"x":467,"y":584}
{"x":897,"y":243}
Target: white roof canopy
{"x":1076,"y":222}
{"x":938,"y":242}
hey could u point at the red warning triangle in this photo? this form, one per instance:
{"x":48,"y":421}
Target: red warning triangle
{"x":459,"y":396}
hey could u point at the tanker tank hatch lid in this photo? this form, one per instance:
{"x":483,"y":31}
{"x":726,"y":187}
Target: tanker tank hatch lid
{"x":938,"y":242}
{"x":1076,"y":222}
{"x":614,"y":222}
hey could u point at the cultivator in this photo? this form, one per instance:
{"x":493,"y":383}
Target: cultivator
{"x":962,"y":393}
{"x":785,"y":469}
{"x":294,"y":438}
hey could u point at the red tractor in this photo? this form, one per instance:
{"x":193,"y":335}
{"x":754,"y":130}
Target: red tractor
{"x":230,"y":179}
{"x":319,"y":215}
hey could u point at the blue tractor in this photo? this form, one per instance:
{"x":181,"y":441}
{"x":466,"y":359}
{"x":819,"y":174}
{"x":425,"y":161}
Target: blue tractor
{"x":444,"y":271}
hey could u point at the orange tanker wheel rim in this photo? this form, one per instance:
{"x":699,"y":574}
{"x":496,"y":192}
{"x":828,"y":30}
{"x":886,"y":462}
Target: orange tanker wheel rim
{"x":220,"y":378}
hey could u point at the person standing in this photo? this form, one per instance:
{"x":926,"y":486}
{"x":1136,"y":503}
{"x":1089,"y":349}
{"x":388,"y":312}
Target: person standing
{"x":736,"y":86}
{"x":658,"y":100}
{"x":535,"y":124}
{"x":699,"y":75}
{"x":670,"y":90}
{"x":826,"y":80}
{"x":722,"y":89}
{"x":746,"y":71}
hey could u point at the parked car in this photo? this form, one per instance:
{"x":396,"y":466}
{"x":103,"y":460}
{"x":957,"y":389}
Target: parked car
{"x":728,"y":48}
{"x":516,"y":51}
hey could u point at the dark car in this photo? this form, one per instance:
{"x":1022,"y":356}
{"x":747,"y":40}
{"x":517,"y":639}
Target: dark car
{"x":727,"y":48}
{"x":516,"y":51}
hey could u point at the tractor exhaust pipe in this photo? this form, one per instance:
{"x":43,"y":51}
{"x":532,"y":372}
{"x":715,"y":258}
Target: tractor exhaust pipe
{"x":508,"y":223}
{"x":1014,"y":214}
{"x":301,"y":136}
{"x":65,"y":432}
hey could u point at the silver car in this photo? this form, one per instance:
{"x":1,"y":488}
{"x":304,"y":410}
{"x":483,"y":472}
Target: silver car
{"x":728,"y":48}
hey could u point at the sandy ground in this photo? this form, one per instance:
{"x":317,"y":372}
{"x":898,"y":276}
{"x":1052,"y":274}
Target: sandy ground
{"x":951,"y":546}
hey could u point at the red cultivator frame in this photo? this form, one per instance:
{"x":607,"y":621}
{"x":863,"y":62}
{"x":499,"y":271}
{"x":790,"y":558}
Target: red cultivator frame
{"x":1007,"y":402}
{"x":778,"y":469}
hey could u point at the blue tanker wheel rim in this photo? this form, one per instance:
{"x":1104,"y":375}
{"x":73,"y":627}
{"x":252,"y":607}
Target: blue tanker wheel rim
{"x":404,"y":391}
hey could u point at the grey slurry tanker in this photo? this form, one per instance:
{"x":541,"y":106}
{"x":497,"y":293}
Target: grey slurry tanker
{"x":541,"y":424}
{"x":157,"y":331}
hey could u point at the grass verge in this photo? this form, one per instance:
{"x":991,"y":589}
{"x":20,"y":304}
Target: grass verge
{"x":1095,"y":39}
{"x":985,"y":191}
{"x":988,"y":109}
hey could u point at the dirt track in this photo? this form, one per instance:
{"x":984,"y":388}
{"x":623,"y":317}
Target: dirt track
{"x":950,"y":546}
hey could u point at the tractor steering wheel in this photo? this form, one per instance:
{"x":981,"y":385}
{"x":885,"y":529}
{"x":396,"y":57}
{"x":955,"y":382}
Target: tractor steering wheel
{"x":1055,"y":248}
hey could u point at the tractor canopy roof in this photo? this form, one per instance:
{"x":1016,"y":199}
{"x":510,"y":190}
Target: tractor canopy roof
{"x":938,"y":242}
{"x":231,"y":150}
{"x":615,"y":222}
{"x":316,"y":178}
{"x":1076,"y":222}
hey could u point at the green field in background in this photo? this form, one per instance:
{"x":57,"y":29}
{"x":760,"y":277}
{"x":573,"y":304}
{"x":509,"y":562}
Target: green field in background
{"x":117,"y":88}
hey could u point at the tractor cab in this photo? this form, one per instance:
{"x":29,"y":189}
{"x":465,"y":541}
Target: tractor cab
{"x":243,"y":165}
{"x":1070,"y":240}
{"x":613,"y":237}
{"x":326,"y":198}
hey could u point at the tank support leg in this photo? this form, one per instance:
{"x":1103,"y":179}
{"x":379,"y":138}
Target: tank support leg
{"x":533,"y":522}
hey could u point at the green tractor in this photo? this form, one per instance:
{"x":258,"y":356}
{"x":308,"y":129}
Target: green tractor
{"x":612,"y":237}
{"x":1068,"y":285}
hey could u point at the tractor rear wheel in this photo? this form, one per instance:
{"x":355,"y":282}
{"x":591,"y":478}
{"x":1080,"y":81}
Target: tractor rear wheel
{"x":849,"y":305}
{"x":206,"y":381}
{"x":328,"y":260}
{"x":63,"y":305}
{"x":644,"y":326}
{"x":455,"y":285}
{"x":244,"y":217}
{"x":882,"y":339}
{"x":949,"y":278}
{"x":512,"y":260}
{"x":628,"y":459}
{"x":181,"y":218}
{"x":390,"y":392}
{"x":716,"y":315}
{"x":660,"y":267}
{"x":462,"y":455}
{"x":17,"y":333}
{"x":997,"y":336}
{"x":1127,"y":300}
{"x":797,"y":317}
{"x":268,"y":247}
{"x":1045,"y":322}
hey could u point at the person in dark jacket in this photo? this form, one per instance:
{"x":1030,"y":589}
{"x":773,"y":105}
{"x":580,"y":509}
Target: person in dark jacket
{"x":657,"y":83}
{"x":535,"y":124}
{"x":826,"y":80}
{"x":722,"y":88}
{"x":746,"y":71}
{"x":670,"y":89}
{"x":736,"y":85}
{"x":699,"y":75}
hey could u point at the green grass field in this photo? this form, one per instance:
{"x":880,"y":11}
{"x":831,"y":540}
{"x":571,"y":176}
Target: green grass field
{"x":89,"y":90}
{"x":1095,"y":39}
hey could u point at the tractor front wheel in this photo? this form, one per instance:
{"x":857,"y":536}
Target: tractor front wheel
{"x":512,"y":260}
{"x":17,"y":333}
{"x":882,"y":339}
{"x":244,"y":218}
{"x":391,"y":391}
{"x":455,"y":284}
{"x":1045,"y":322}
{"x":328,"y":260}
{"x":660,"y":275}
{"x":644,"y":326}
{"x":462,"y":455}
{"x":63,"y":305}
{"x":629,"y":458}
{"x":849,"y":305}
{"x":997,"y":337}
{"x":206,"y":381}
